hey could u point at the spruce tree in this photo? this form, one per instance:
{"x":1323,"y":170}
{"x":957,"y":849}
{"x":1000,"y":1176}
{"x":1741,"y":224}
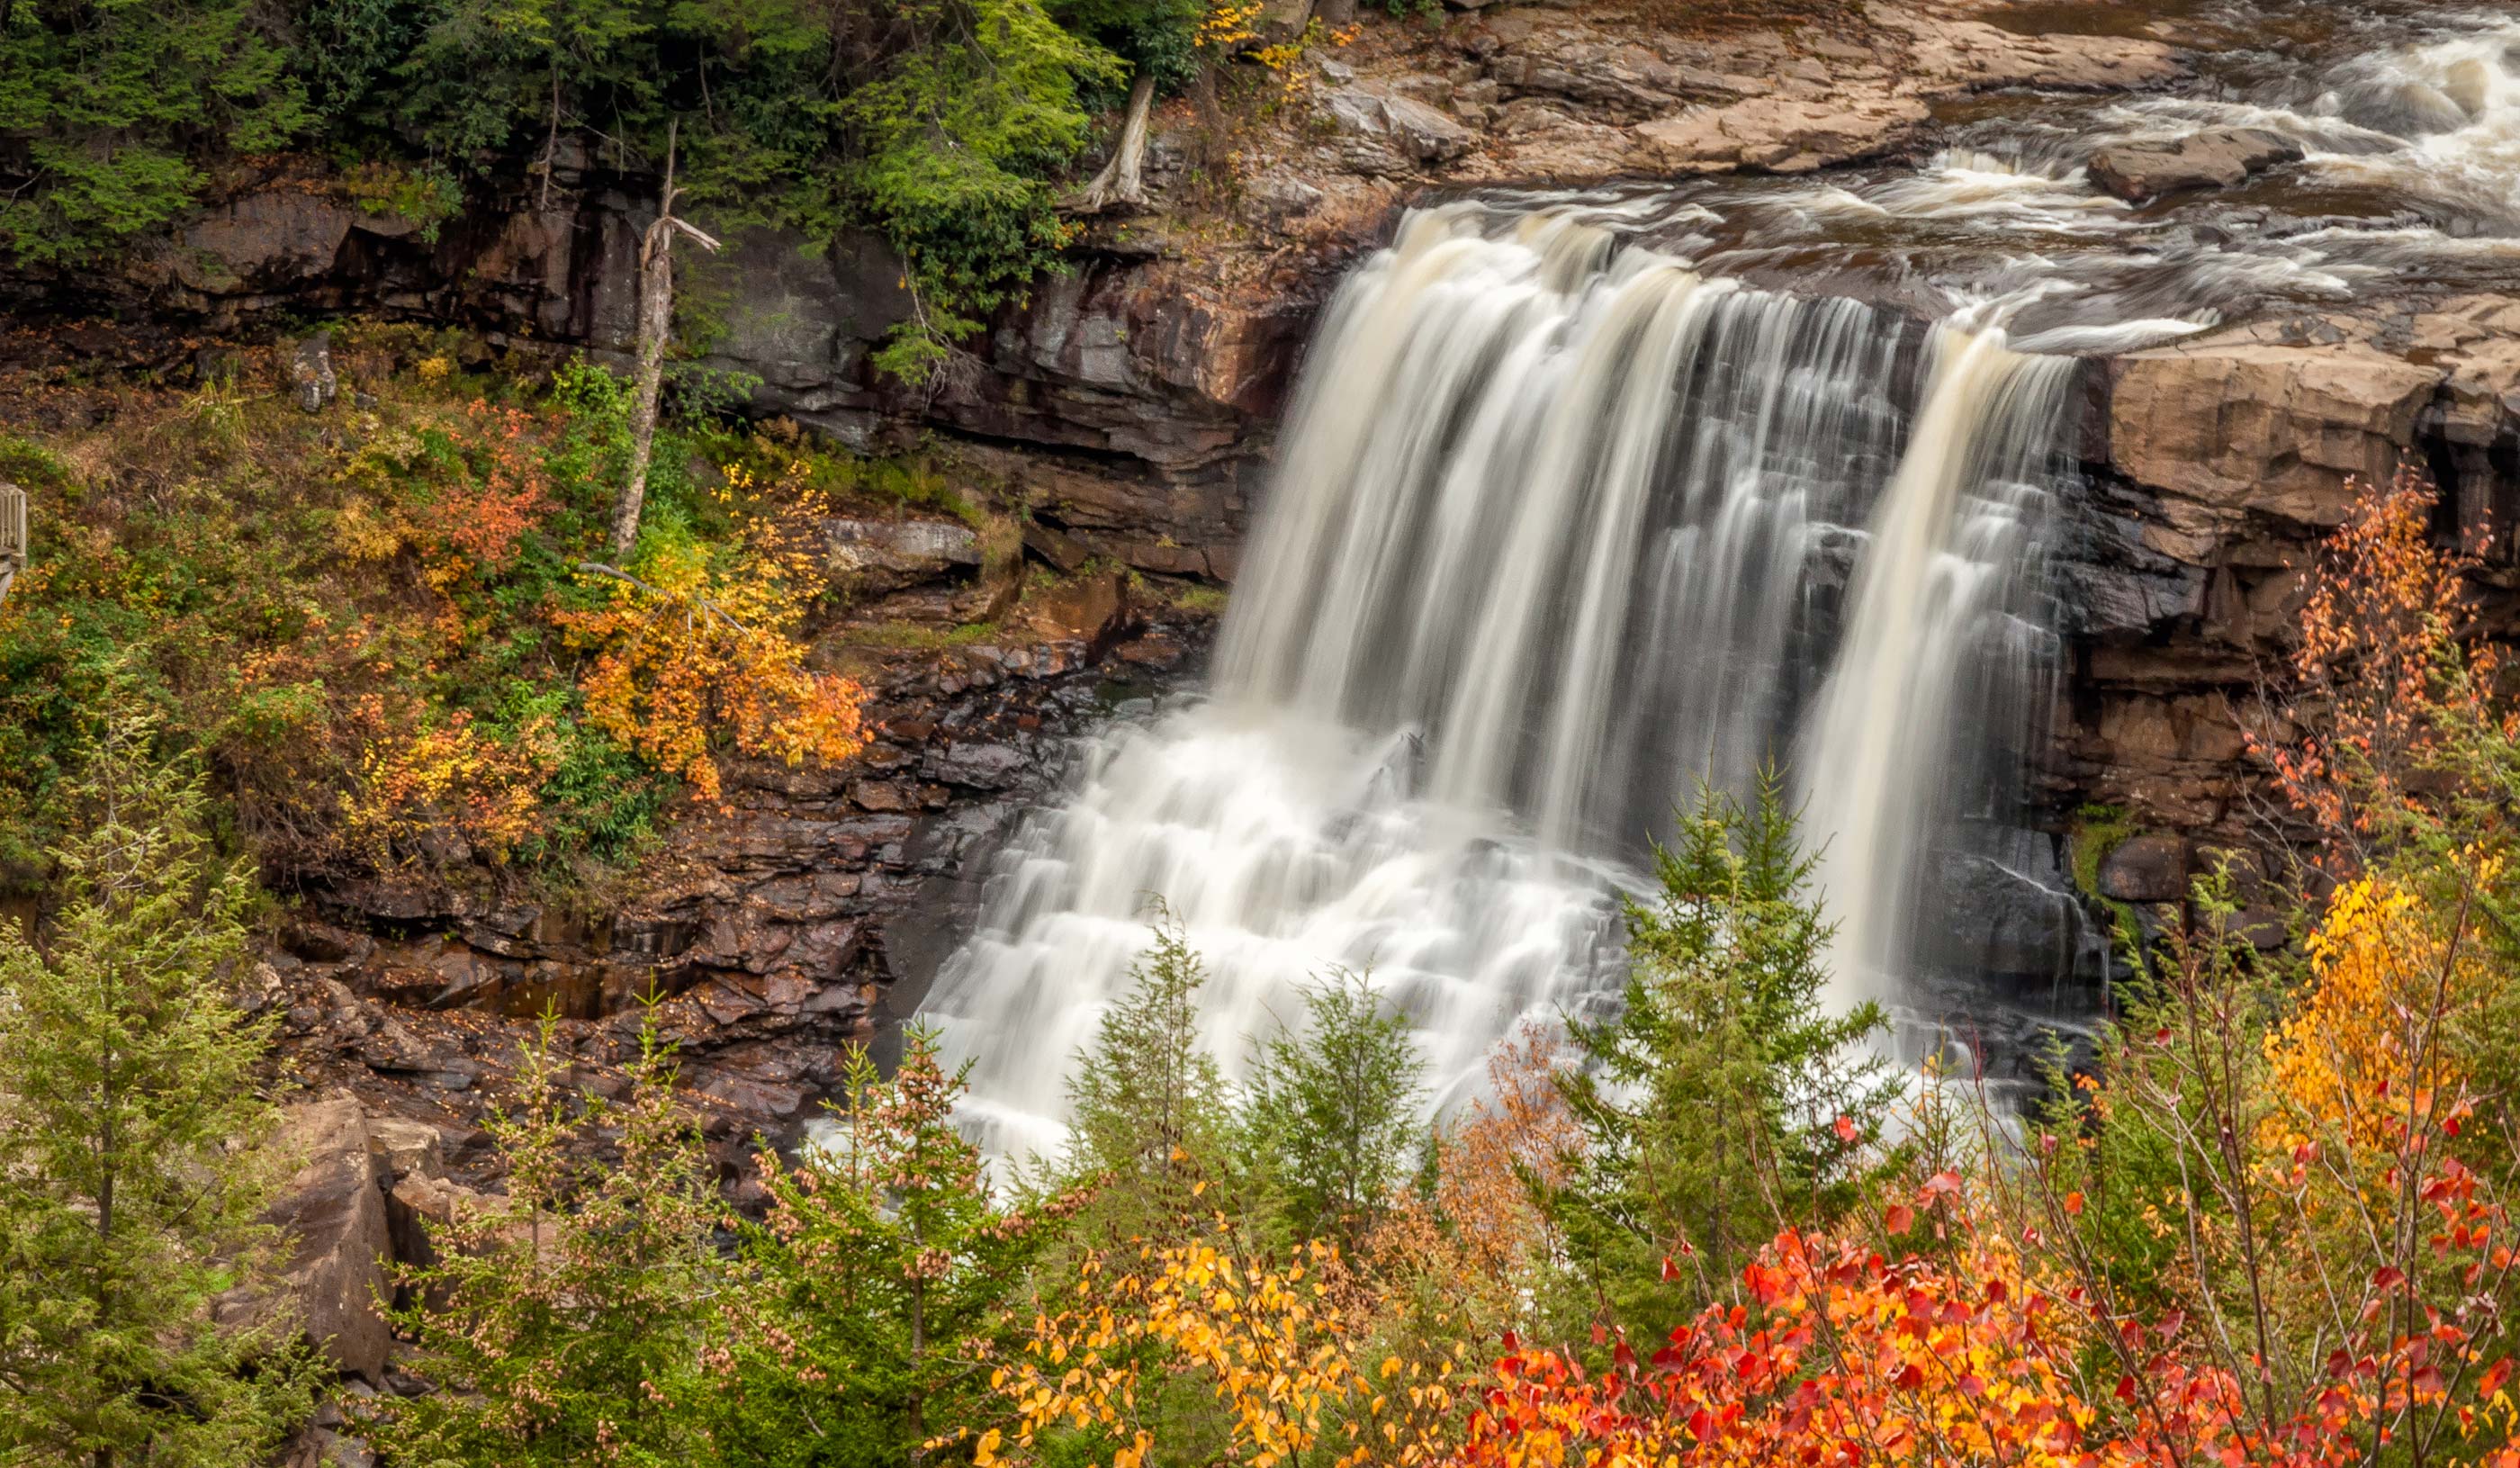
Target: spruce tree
{"x":1332,"y":1109}
{"x":881,"y":1291}
{"x":1724,"y":1096}
{"x":1150,"y":1117}
{"x":564,"y":1325}
{"x":130,"y":1118}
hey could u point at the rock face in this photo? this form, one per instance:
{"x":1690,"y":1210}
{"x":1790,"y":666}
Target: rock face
{"x":333,"y":1215}
{"x":2237,"y":423}
{"x":884,"y":555}
{"x":1782,"y":134}
{"x":2220,"y":463}
{"x":2141,"y":172}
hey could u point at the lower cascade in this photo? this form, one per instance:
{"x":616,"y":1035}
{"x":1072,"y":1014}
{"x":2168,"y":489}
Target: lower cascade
{"x":1564,"y":529}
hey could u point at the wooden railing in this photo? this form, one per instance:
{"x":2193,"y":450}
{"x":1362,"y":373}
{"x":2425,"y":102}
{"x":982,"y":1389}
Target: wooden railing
{"x":13,"y":535}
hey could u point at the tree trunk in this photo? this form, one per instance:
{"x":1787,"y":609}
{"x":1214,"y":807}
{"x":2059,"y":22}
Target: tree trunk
{"x":1121,"y":180}
{"x":655,"y":322}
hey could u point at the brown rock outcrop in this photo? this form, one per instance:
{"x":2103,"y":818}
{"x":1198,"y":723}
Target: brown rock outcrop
{"x":2236,"y":424}
{"x":2139,"y":172}
{"x":332,"y":1214}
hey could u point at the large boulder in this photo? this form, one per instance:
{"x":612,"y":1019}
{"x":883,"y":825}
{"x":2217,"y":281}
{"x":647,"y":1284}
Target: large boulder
{"x":259,"y":242}
{"x":2152,"y":869}
{"x":2139,"y":172}
{"x":1385,"y":134}
{"x":333,"y":1216}
{"x":2239,"y":423}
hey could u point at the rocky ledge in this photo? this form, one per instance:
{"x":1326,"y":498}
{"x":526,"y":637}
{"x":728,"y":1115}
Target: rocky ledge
{"x":774,"y":926}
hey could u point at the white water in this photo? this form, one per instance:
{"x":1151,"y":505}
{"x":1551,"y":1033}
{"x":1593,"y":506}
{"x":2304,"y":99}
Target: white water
{"x":1560,"y":531}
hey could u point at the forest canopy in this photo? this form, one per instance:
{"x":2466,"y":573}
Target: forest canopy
{"x":939,"y":125}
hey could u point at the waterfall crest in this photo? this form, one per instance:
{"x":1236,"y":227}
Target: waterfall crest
{"x":1562,"y":529}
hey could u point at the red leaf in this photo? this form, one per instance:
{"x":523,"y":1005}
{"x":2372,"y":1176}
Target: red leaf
{"x":2074,"y":1204}
{"x":1598,"y":1333}
{"x":1940,"y":1184}
{"x":1670,"y":1271}
{"x":2493,"y":1378}
{"x":2387,"y":1278}
{"x":1513,"y":1342}
{"x":1900,"y":1218}
{"x":2126,"y":1389}
{"x":1845,"y":1129}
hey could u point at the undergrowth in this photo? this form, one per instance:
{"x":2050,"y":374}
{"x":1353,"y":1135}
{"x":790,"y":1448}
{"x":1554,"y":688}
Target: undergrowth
{"x":377,"y":626}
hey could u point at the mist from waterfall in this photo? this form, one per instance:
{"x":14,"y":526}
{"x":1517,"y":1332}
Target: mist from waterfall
{"x":1562,"y":529}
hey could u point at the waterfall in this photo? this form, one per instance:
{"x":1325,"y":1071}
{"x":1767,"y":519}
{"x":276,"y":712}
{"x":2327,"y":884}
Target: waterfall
{"x":1564,"y":528}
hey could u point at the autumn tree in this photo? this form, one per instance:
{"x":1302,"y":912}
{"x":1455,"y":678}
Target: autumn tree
{"x":695,"y":641}
{"x":884,"y":1287}
{"x":1722,"y":1096}
{"x":1218,"y":1351}
{"x":131,"y":1115}
{"x":563,"y":1324}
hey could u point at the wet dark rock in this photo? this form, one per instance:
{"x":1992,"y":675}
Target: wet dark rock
{"x":2139,"y":172}
{"x":2150,"y":868}
{"x":978,"y":767}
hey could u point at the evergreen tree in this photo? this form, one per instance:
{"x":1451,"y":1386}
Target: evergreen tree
{"x":1724,"y":1101}
{"x":1332,"y":1109}
{"x":565,"y":1325}
{"x":883,"y":1289}
{"x":1150,"y":1116}
{"x":129,"y":1118}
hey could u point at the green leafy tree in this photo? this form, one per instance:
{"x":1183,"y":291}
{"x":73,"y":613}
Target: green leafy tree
{"x":106,"y":108}
{"x":954,"y":138}
{"x":1724,"y":1099}
{"x":883,"y":1288}
{"x":130,"y":1180}
{"x":1332,"y":1110}
{"x":564,"y":1325}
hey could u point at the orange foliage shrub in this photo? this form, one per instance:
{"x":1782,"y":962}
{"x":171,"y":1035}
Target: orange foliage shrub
{"x":477,"y":498}
{"x":692,"y":644}
{"x":2387,"y":665}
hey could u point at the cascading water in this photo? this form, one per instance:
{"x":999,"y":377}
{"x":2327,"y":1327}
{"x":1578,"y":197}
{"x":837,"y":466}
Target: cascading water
{"x":1562,"y":529}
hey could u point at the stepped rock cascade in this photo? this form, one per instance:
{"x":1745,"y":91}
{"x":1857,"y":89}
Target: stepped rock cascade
{"x":1563,"y":529}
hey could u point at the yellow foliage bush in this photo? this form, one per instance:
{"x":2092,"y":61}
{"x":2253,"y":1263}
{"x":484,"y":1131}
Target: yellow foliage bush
{"x":2361,"y":1046}
{"x":692,"y":644}
{"x":442,"y":774}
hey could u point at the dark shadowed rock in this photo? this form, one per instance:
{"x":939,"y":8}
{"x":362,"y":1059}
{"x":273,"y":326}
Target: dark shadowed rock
{"x":2145,"y":869}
